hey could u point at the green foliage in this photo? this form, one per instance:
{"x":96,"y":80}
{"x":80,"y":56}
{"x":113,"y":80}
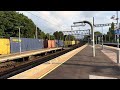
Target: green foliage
{"x":68,"y":37}
{"x":111,"y":34}
{"x":41,"y":34}
{"x":10,"y":20}
{"x":58,"y":35}
{"x":47,"y":36}
{"x":97,"y":33}
{"x":52,"y":37}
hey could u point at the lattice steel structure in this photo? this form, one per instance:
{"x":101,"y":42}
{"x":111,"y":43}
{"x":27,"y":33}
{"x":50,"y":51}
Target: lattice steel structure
{"x":77,"y":33}
{"x":102,"y":25}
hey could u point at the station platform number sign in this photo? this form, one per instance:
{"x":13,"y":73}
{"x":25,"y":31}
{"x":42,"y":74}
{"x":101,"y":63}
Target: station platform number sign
{"x":117,"y":31}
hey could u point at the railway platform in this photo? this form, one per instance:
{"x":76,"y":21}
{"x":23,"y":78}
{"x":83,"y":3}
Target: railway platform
{"x":84,"y":66}
{"x":14,"y":56}
{"x":77,"y":64}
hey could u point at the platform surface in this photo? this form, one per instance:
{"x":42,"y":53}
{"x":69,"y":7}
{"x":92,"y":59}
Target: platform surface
{"x":43,"y":69}
{"x":13,"y":56}
{"x":84,"y":66}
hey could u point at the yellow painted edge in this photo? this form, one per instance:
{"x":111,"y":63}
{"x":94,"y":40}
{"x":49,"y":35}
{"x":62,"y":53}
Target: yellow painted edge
{"x":51,"y":70}
{"x":57,"y":66}
{"x":111,"y":47}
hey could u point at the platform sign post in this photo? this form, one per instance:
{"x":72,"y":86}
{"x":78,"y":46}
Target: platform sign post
{"x":19,"y":28}
{"x":102,"y":38}
{"x":117,"y":32}
{"x":19,"y":41}
{"x":118,"y":52}
{"x":92,"y":32}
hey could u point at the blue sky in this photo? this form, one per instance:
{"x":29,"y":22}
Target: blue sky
{"x":51,"y":21}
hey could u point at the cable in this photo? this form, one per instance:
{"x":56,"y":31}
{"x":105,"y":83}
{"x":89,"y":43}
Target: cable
{"x":44,"y":20}
{"x":55,"y":21}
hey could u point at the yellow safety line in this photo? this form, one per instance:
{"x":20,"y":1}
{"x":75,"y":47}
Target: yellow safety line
{"x":112,"y":47}
{"x":51,"y":70}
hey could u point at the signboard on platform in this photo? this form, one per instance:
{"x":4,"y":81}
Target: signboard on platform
{"x":117,"y":31}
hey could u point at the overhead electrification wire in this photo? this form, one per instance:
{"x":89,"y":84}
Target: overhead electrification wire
{"x":52,"y":20}
{"x":45,"y":20}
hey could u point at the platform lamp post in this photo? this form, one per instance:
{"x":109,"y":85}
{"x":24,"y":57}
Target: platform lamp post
{"x":113,"y":17}
{"x":19,"y":38}
{"x":92,"y":34}
{"x":102,"y":37}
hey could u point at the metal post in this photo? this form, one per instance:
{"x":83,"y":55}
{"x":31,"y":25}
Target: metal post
{"x":117,"y":40}
{"x":92,"y":30}
{"x":96,"y":39}
{"x":117,"y":27}
{"x":93,"y":44}
{"x":36,"y":33}
{"x":89,"y":35}
{"x":19,"y":41}
{"x":105,"y":38}
{"x":102,"y":38}
{"x":118,"y":51}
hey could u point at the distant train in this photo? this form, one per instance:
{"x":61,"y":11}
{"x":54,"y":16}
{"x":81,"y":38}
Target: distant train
{"x":13,"y":44}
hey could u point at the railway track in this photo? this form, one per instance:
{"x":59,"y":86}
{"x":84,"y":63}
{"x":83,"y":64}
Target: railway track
{"x":12,"y":68}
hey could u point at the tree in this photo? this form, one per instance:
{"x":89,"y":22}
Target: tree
{"x":47,"y":36}
{"x":9,"y":20}
{"x":69,"y":37}
{"x":97,"y":34}
{"x":58,"y":35}
{"x":61,"y":35}
{"x":110,"y":33}
{"x":52,"y":37}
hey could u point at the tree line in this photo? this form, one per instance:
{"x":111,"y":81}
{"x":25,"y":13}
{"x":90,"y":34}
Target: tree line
{"x":110,"y":36}
{"x":11,"y":20}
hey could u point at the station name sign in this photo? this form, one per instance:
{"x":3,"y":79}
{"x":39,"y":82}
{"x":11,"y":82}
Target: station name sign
{"x":101,"y":25}
{"x":117,"y":31}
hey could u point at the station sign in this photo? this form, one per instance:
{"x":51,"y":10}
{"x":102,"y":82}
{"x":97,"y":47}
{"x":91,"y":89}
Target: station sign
{"x":102,"y":25}
{"x":117,"y":31}
{"x":16,"y":40}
